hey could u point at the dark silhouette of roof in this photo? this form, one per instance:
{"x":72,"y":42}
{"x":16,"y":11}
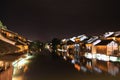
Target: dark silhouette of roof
{"x":70,"y":42}
{"x":105,"y":42}
{"x":118,"y":36}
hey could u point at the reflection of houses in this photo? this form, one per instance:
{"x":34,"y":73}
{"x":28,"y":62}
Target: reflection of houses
{"x":107,"y":67}
{"x":6,"y":70}
{"x":109,"y":47}
{"x":4,"y":65}
{"x":102,"y":66}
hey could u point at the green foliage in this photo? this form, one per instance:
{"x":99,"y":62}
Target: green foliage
{"x":2,"y":26}
{"x":1,"y":23}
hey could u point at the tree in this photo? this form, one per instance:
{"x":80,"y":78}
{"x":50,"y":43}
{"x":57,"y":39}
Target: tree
{"x":2,"y":26}
{"x":55,"y":43}
{"x":36,"y":46}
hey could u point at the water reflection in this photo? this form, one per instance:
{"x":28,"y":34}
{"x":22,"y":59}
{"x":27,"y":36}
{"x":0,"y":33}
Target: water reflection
{"x":6,"y":70}
{"x":112,"y":69}
{"x":10,"y":70}
{"x":21,"y":67}
{"x":93,"y":65}
{"x":97,"y":66}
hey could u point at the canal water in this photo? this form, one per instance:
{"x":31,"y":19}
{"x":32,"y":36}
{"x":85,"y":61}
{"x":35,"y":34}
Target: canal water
{"x":45,"y":66}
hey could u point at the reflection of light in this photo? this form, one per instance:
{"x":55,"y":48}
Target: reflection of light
{"x":22,"y":61}
{"x":68,"y":55}
{"x":112,"y":69}
{"x":112,"y":58}
{"x":20,"y":66}
{"x":1,"y":64}
{"x":73,"y":61}
{"x":25,"y":68}
{"x":97,"y":69}
{"x":62,"y":50}
{"x":97,"y":56}
{"x":71,"y":56}
{"x":104,"y":58}
{"x":64,"y":58}
{"x":17,"y":78}
{"x":29,"y":57}
{"x":16,"y":62}
{"x":77,"y":67}
{"x":94,"y":55}
{"x":118,"y":60}
{"x":83,"y":68}
{"x":88,"y":55}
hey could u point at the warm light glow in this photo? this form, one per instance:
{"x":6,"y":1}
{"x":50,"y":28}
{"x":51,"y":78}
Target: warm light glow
{"x":22,"y":61}
{"x":97,"y":56}
{"x":17,"y":78}
{"x":64,"y":58}
{"x":77,"y":67}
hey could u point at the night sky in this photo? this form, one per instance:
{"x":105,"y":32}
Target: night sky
{"x":46,"y":19}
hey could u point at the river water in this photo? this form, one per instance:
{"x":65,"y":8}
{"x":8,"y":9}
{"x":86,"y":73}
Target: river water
{"x":45,"y":66}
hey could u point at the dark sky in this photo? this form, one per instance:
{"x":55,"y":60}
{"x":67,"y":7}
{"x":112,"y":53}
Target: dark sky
{"x":46,"y":19}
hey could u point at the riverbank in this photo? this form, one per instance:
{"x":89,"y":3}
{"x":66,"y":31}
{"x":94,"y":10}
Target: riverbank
{"x":11,"y":57}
